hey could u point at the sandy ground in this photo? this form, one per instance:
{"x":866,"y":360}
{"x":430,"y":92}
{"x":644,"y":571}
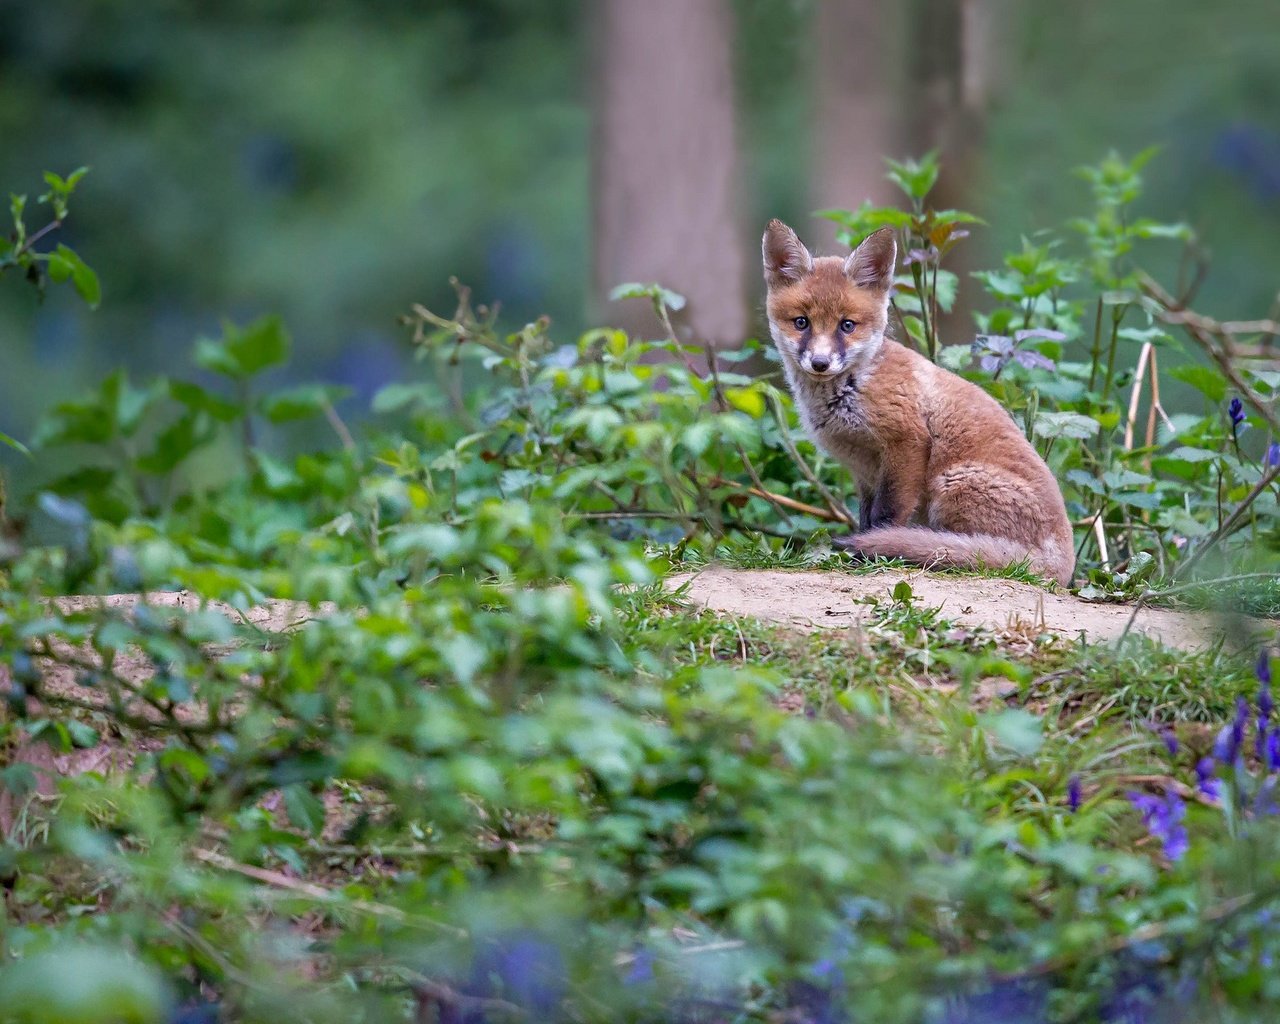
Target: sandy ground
{"x":834,"y":600}
{"x":110,"y":755}
{"x":273,"y":617}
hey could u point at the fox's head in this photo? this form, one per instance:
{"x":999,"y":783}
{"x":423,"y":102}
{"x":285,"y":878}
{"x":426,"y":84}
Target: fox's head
{"x":828,"y":315}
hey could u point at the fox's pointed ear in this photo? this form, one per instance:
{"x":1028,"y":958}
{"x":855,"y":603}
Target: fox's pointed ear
{"x":871,"y":264}
{"x":786,"y":260}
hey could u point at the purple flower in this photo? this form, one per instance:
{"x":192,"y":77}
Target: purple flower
{"x":1208,"y":785}
{"x":1224,"y":751}
{"x":641,"y":969}
{"x":1265,"y":801}
{"x":1273,"y":454}
{"x":1263,"y":669}
{"x":1163,"y":818}
{"x":1273,"y":751}
{"x":1236,"y":411}
{"x":1226,"y":748}
{"x":1167,"y":736}
{"x":1074,"y":795}
{"x":1222,"y":748}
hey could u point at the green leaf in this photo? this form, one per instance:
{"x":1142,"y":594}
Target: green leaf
{"x":463,"y":655}
{"x":176,"y":442}
{"x":748,"y":400}
{"x":242,"y":353}
{"x":14,"y":443}
{"x":697,"y":437}
{"x":1065,"y":424}
{"x":672,"y":300}
{"x":397,"y":396}
{"x":1209,"y":382}
{"x":303,"y":808}
{"x":1137,"y":499}
{"x":197,"y":399}
{"x":82,"y":984}
{"x":1187,"y":454}
{"x":64,"y":263}
{"x":1016,"y":729}
{"x":276,"y":475}
{"x":300,"y":402}
{"x":915,"y":177}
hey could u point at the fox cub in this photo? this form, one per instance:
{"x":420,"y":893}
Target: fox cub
{"x":944,"y":475}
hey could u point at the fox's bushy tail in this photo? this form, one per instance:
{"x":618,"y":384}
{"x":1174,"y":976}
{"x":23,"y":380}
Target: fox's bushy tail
{"x":940,"y":548}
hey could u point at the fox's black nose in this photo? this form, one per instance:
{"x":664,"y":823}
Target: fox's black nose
{"x":820,"y":364}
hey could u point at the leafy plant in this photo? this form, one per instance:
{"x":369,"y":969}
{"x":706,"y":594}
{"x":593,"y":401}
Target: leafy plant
{"x":406,"y":727}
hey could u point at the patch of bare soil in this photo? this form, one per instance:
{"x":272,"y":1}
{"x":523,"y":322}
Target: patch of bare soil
{"x":834,"y":600}
{"x":274,"y":616}
{"x":112,"y":753}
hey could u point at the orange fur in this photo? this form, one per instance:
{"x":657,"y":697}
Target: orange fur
{"x":944,"y":475}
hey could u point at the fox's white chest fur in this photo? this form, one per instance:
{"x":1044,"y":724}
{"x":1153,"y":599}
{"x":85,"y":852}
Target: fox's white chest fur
{"x":834,"y":416}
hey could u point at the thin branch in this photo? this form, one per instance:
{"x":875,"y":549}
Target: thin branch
{"x":278,"y":880}
{"x":31,"y":240}
{"x":1208,"y":333}
{"x":779,"y":499}
{"x":339,"y":428}
{"x":1228,"y":526}
{"x":1146,"y":933}
{"x":1135,"y":393}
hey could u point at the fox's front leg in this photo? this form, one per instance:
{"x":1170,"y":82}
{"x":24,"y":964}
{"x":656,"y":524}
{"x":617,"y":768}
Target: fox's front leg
{"x":866,"y":502}
{"x":896,"y":496}
{"x":874,"y":509}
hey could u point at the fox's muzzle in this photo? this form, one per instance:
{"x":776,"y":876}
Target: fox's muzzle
{"x":821,"y":360}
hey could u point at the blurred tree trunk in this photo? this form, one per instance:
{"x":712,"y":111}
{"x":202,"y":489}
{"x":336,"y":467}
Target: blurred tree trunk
{"x":666,"y":165}
{"x":952,"y":59}
{"x":858,"y":121}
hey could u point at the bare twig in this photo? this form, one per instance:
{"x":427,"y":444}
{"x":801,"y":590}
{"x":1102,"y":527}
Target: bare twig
{"x":339,"y":428}
{"x":1101,"y":535}
{"x":779,"y":499}
{"x":1146,"y":933}
{"x":432,"y":994}
{"x":278,"y":880}
{"x":1228,"y":526}
{"x":1215,"y":338}
{"x":1139,"y":373}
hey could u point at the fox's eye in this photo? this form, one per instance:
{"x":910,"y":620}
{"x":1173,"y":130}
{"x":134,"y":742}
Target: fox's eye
{"x":847,"y":326}
{"x":801,"y":322}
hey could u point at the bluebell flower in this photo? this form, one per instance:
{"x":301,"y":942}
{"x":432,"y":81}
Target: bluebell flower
{"x":1273,"y":751}
{"x":1263,"y":669}
{"x":1206,"y":782}
{"x":1224,"y":751}
{"x":1170,"y":741}
{"x":1236,"y":411}
{"x":1265,"y":801}
{"x":1226,"y":748}
{"x":520,"y":966}
{"x":1163,"y":818}
{"x":641,"y":969}
{"x":1074,"y":795}
{"x":1273,"y":454}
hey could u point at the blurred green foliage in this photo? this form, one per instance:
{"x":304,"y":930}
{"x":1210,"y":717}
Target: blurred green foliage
{"x":334,"y":162}
{"x":421,"y":740}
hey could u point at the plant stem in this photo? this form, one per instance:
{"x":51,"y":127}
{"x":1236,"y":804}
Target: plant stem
{"x":1116,"y":317}
{"x":1226,"y":528}
{"x":1097,"y":346}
